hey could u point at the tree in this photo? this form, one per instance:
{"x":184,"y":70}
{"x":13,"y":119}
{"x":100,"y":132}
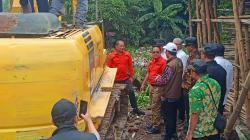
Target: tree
{"x":138,"y":21}
{"x":162,"y":19}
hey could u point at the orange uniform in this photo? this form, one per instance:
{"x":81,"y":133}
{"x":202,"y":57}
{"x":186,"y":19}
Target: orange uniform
{"x":123,"y":63}
{"x":156,"y":67}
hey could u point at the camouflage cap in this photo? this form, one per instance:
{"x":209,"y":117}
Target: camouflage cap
{"x":191,"y":41}
{"x":198,"y":65}
{"x":159,"y":43}
{"x":209,"y":49}
{"x":220,"y":50}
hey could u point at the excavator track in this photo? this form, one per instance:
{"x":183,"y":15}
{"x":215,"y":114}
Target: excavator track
{"x":115,"y":116}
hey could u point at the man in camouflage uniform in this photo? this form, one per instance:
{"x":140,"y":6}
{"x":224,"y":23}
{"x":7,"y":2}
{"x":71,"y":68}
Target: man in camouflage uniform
{"x":188,"y":82}
{"x":203,"y":100}
{"x":192,"y":48}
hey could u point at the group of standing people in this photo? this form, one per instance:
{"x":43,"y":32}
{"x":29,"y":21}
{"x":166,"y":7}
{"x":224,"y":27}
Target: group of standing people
{"x":188,"y":88}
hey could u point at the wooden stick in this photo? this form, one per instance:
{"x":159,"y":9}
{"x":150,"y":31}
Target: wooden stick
{"x":233,"y":117}
{"x":245,"y":21}
{"x":239,"y":38}
{"x":236,"y":76}
{"x":247,"y":102}
{"x":190,"y":17}
{"x":247,"y":42}
{"x":208,"y":22}
{"x":242,"y":7}
{"x":230,"y":17}
{"x":204,"y":25}
{"x":199,"y":30}
{"x":215,"y":24}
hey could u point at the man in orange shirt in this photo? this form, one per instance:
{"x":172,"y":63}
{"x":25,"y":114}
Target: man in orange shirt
{"x":156,"y":67}
{"x":122,"y":60}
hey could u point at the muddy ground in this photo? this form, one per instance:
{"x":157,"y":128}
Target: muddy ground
{"x":135,"y":128}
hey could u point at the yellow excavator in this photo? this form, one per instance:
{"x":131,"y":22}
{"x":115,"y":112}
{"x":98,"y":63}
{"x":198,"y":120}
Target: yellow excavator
{"x":42,"y":62}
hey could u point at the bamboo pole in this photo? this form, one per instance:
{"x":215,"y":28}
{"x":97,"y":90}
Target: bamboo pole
{"x":190,"y":17}
{"x":199,"y":30}
{"x":215,"y":24}
{"x":230,"y":17}
{"x":236,"y":76}
{"x":208,"y":21}
{"x":247,"y":102}
{"x":239,"y":38}
{"x":247,"y":42}
{"x":241,"y":5}
{"x":233,"y":117}
{"x":204,"y":25}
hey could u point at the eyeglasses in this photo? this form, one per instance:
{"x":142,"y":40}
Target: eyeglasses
{"x":155,"y":52}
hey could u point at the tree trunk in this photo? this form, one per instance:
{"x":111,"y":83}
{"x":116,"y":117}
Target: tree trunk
{"x":233,"y":117}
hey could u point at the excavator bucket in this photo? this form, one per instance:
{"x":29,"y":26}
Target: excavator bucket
{"x":28,"y":24}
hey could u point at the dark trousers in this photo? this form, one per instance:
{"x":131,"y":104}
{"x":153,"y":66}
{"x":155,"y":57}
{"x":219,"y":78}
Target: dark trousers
{"x":183,"y":106}
{"x":212,"y":137}
{"x":130,"y":91}
{"x":221,"y":108}
{"x":186,"y":104}
{"x":169,"y":112}
{"x":43,"y":5}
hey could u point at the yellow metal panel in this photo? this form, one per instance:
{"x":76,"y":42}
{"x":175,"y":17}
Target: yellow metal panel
{"x":108,"y":78}
{"x":35,"y":73}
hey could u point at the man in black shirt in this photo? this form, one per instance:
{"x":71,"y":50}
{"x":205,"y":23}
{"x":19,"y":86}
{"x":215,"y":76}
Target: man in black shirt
{"x":214,"y":70}
{"x":64,"y":116}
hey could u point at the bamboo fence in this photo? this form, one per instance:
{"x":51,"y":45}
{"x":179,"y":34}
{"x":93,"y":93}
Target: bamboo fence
{"x":207,"y":23}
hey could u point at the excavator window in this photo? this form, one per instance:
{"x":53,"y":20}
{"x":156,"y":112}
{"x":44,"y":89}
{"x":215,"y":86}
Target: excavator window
{"x":33,"y":24}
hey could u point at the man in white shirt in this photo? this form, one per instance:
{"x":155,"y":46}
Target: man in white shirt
{"x":227,"y":65}
{"x":184,"y":57}
{"x":180,"y":53}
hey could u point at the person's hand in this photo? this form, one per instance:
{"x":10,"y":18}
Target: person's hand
{"x":131,"y":79}
{"x":86,"y":117}
{"x":142,"y":87}
{"x":189,"y":136}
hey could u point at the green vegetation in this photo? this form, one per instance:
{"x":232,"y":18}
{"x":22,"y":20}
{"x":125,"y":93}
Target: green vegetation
{"x":139,"y":22}
{"x":141,"y":57}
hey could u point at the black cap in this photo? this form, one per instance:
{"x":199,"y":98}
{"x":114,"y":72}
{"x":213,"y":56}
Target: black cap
{"x":220,"y":50}
{"x":210,"y":49}
{"x":64,"y":110}
{"x":159,"y":43}
{"x":199,"y":66}
{"x":191,"y":41}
